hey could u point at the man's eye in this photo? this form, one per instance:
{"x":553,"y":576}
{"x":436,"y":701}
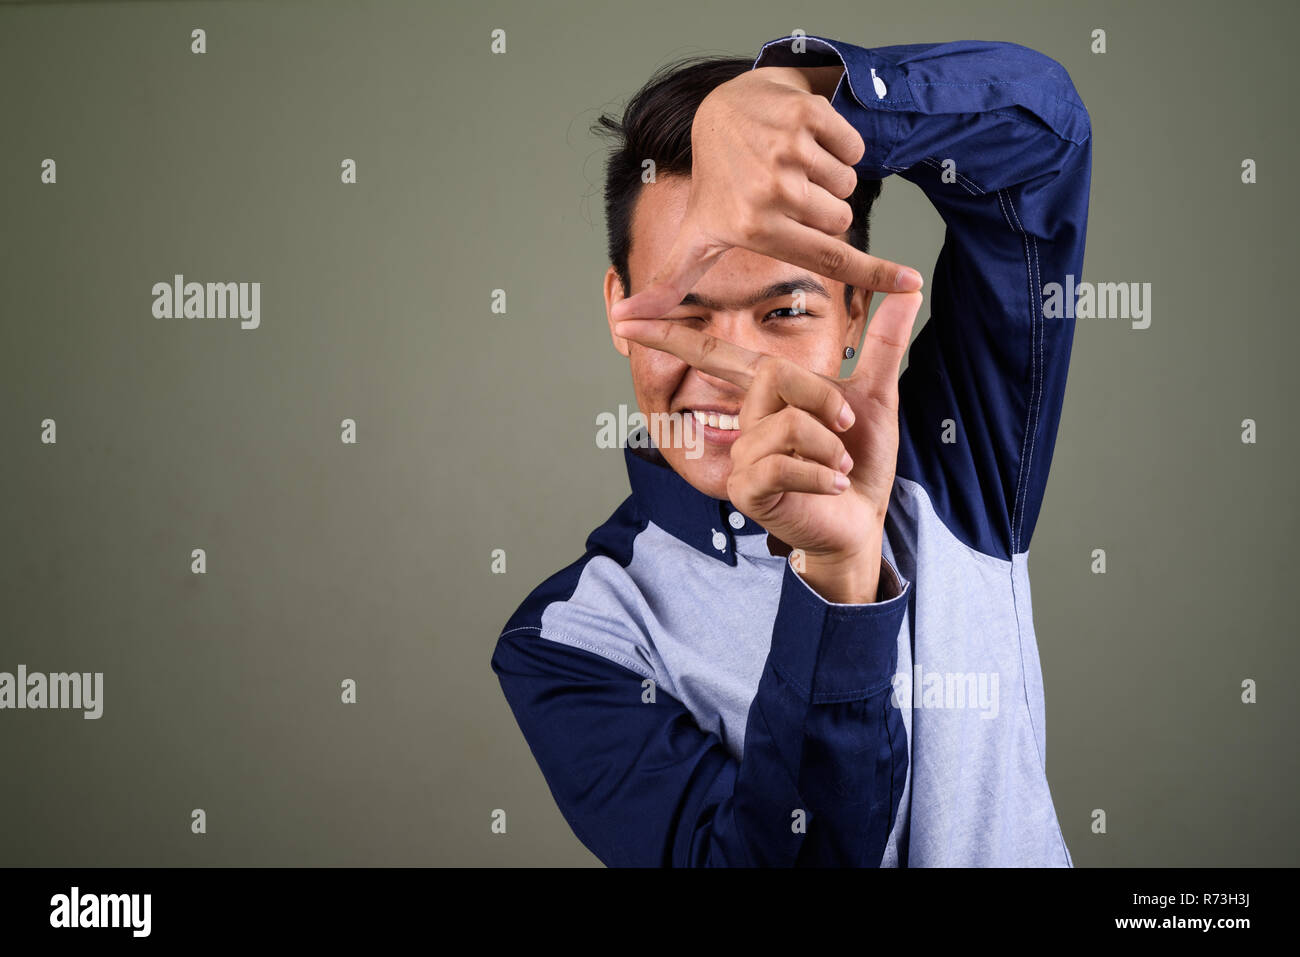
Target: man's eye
{"x":787,"y":312}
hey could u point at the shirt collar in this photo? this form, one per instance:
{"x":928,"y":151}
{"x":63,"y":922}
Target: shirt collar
{"x":710,"y":525}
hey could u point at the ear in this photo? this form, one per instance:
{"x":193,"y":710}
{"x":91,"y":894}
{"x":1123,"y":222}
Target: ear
{"x":859,"y":307}
{"x":614,"y":292}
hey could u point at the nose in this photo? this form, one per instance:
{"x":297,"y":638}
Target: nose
{"x":723,"y":389}
{"x":738,"y":330}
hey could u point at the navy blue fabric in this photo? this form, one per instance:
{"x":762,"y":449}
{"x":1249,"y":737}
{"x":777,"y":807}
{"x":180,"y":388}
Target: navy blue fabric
{"x":1011,"y":121}
{"x":683,"y":510}
{"x":641,"y":784}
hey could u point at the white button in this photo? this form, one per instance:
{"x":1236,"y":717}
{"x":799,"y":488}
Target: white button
{"x":719,"y":541}
{"x":736,"y":519}
{"x":879,"y":84}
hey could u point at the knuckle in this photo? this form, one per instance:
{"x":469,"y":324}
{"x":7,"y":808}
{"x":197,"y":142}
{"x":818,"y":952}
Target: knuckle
{"x":777,"y":191}
{"x":794,"y":111}
{"x":748,"y":225}
{"x":895,"y":345}
{"x":797,"y":190}
{"x":783,"y":469}
{"x":857,"y":145}
{"x":736,"y":488}
{"x":832,"y":260}
{"x":832,"y":400}
{"x":844,"y":217}
{"x":803,"y":152}
{"x":791,"y":428}
{"x":845,"y":182}
{"x":773,"y":372}
{"x":781,"y":366}
{"x":774,"y":150}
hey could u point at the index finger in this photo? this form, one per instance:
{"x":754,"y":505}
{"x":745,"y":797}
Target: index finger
{"x":790,"y":383}
{"x":802,"y":245}
{"x":717,"y":357}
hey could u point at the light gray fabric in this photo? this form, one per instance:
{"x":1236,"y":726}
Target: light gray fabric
{"x":976,"y":791}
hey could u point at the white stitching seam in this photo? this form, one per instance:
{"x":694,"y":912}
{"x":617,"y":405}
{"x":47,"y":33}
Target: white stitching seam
{"x":819,"y":43}
{"x":562,"y":638}
{"x":1029,"y":278}
{"x":1037,"y":337}
{"x":969,"y":184}
{"x":1036,"y":367}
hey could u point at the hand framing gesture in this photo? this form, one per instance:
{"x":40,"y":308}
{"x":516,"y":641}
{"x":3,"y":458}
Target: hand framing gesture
{"x":815,"y":459}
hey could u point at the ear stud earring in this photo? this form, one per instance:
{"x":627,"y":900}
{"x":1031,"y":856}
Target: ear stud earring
{"x":848,"y":352}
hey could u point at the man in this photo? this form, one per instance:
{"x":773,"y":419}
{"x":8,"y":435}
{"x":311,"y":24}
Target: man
{"x":813,"y":643}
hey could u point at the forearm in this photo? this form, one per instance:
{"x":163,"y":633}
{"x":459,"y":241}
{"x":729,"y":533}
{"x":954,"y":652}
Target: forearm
{"x":821,"y":80}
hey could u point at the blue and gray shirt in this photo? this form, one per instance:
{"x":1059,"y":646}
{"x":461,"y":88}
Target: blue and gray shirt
{"x":692,"y":701}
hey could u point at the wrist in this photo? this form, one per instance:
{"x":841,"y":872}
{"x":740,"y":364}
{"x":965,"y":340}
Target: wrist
{"x":821,"y":80}
{"x":844,"y":579}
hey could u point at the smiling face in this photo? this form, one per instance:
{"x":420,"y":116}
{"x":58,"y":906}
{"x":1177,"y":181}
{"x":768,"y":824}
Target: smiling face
{"x":754,"y":301}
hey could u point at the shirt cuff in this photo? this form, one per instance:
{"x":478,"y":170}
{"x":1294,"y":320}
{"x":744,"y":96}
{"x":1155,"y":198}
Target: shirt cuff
{"x":834,"y":652}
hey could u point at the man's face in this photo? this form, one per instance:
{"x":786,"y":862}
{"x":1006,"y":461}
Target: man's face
{"x":756,"y":302}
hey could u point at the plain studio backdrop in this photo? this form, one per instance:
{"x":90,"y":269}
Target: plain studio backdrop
{"x":475,"y":431}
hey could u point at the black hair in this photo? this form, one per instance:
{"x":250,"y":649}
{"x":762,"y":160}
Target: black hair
{"x":656,"y":125}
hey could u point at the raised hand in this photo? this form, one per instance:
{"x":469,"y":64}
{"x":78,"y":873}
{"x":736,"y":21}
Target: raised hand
{"x":771,"y":169}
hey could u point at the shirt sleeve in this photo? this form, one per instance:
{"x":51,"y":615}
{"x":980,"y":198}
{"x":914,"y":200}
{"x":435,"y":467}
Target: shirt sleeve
{"x":642,"y":784}
{"x":998,"y":139}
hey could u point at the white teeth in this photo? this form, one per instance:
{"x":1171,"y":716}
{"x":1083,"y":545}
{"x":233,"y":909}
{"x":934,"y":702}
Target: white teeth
{"x":717,"y":420}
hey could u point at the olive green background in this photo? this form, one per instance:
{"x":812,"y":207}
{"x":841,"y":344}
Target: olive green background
{"x":477,"y":431}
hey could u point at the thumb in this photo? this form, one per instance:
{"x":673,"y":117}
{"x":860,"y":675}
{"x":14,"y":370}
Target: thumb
{"x":888,"y":335}
{"x":691,"y":256}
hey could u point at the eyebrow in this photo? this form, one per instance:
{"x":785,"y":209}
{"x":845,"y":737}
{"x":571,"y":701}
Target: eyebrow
{"x":774,"y":291}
